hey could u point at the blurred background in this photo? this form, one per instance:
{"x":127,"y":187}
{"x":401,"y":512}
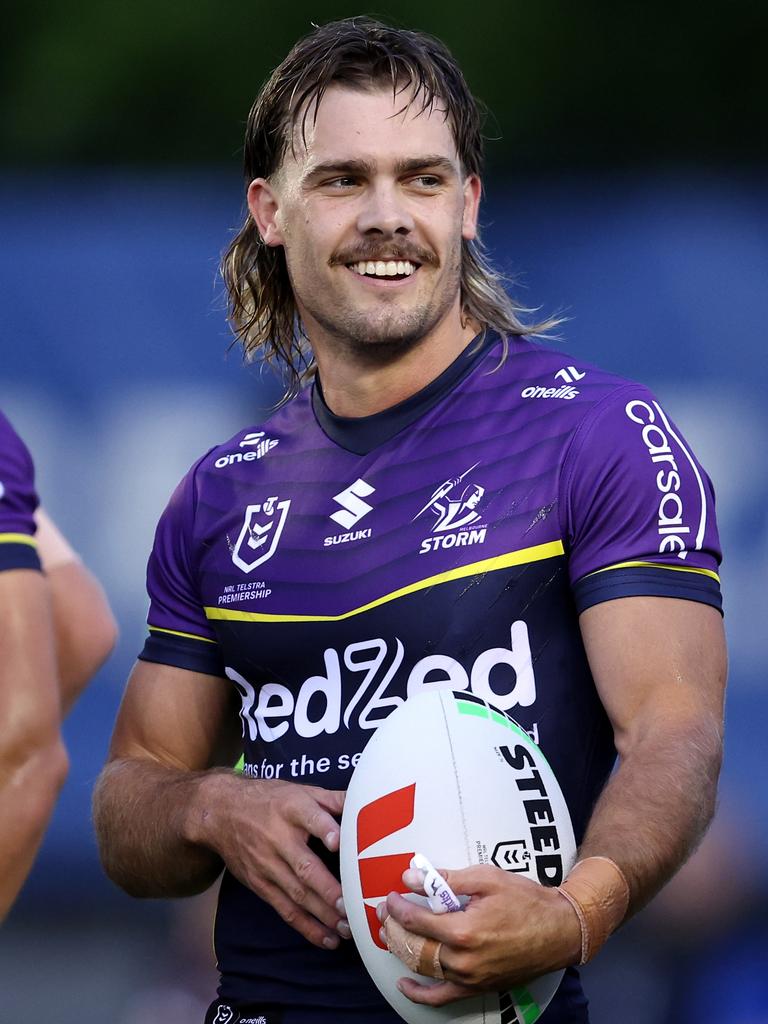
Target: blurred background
{"x":626,"y":187}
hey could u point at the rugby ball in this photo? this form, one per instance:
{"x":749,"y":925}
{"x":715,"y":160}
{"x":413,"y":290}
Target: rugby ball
{"x":449,"y":776}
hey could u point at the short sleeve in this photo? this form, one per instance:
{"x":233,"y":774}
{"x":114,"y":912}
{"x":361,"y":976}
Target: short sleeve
{"x":179,"y":633}
{"x":639,"y":509}
{"x":18,"y":501}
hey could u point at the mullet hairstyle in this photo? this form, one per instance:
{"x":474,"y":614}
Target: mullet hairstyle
{"x":362,"y":54}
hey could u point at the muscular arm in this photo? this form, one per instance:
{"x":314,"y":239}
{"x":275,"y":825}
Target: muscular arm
{"x":659,"y":665}
{"x":161,"y":759}
{"x":84,"y":627}
{"x":167,"y":819}
{"x":33,"y":762}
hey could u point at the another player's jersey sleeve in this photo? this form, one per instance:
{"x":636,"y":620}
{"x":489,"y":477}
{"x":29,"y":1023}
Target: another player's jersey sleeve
{"x":639,"y":510}
{"x":18,"y":501}
{"x":179,"y":633}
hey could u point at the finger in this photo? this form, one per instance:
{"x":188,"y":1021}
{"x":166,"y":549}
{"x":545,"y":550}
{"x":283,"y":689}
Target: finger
{"x":472,"y":881}
{"x":313,"y":817}
{"x":307,"y":882}
{"x":295,"y":895}
{"x":433,"y":995}
{"x":296,"y":916}
{"x":414,"y":879}
{"x":332,"y":799}
{"x":421,"y":920}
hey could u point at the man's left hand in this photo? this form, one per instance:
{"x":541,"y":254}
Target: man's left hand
{"x":512,"y":930}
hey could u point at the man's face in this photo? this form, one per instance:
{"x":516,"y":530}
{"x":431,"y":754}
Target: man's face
{"x":371,"y":211}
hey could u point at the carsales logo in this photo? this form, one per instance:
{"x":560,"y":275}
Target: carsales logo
{"x":673,"y":530}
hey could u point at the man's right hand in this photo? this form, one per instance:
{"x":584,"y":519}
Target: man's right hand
{"x":260,"y":829}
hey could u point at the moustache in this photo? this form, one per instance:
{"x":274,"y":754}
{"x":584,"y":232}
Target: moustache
{"x":380,"y":251}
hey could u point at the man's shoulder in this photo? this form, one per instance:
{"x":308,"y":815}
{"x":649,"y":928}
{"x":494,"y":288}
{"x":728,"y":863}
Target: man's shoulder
{"x":549,"y":378}
{"x":252,"y":443}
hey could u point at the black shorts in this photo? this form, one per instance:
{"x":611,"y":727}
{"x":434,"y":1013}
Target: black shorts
{"x":222,"y":1012}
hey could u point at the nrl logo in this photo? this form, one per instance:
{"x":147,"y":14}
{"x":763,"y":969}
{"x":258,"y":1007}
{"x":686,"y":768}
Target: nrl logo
{"x":260,"y":533}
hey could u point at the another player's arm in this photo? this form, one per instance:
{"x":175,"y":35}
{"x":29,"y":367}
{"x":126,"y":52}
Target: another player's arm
{"x":167,"y":819}
{"x":659,"y":665}
{"x":33,"y":762}
{"x":84,"y":627}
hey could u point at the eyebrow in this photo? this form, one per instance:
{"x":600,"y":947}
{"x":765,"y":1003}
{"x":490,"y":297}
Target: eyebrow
{"x":367,"y":168}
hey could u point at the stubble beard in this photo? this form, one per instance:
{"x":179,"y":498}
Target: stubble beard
{"x":381,"y":337}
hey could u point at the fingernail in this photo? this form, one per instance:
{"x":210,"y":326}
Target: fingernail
{"x":332,"y":840}
{"x":383,"y":936}
{"x":381,"y":912}
{"x":330,"y":942}
{"x":344,"y":930}
{"x":340,"y":907}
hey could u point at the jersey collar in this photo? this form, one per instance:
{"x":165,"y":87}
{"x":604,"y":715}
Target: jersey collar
{"x":361,"y":434}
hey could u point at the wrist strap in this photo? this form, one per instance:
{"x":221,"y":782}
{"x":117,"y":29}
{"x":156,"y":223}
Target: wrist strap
{"x":598,"y":891}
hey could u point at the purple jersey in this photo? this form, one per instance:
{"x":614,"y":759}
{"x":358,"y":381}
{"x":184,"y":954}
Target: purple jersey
{"x":332,"y":567}
{"x":18,"y":502}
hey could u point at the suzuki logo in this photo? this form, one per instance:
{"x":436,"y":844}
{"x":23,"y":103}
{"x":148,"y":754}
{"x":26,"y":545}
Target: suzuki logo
{"x":381,"y":875}
{"x":353,"y":508}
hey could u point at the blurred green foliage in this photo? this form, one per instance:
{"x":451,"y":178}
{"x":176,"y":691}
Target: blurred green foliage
{"x":569,"y":83}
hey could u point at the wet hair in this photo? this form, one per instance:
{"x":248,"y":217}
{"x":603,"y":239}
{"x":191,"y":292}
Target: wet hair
{"x":363,"y":54}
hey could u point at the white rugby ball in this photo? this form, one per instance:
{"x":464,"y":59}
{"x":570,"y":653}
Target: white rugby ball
{"x":449,"y":776}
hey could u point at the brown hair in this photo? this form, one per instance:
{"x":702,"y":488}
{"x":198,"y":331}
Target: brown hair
{"x":359,"y":53}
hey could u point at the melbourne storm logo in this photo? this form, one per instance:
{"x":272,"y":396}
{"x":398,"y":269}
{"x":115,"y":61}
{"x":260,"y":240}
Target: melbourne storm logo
{"x":455,"y":505}
{"x":259,"y":535}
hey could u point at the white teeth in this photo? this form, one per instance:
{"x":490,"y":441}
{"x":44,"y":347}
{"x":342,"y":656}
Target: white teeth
{"x":382,"y":268}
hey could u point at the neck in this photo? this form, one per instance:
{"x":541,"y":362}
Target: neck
{"x":354,"y":386}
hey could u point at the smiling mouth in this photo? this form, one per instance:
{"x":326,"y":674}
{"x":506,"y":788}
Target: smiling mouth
{"x":397,"y":269}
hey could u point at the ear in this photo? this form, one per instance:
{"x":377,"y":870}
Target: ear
{"x":263,"y":204}
{"x":472,"y":191}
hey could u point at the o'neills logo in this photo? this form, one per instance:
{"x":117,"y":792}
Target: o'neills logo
{"x":567,"y":392}
{"x":673,"y":531}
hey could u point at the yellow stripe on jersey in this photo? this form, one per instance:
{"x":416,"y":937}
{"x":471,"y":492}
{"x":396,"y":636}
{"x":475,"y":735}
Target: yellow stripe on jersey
{"x":655,"y":565}
{"x":176,"y":632}
{"x":18,"y":538}
{"x":522,"y":557}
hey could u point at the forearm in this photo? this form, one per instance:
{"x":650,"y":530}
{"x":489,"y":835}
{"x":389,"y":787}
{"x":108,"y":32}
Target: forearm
{"x":84,"y":627}
{"x":151,"y":825}
{"x":29,"y":786}
{"x":657,"y":805}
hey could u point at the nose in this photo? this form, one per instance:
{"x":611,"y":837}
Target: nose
{"x":384,"y":211}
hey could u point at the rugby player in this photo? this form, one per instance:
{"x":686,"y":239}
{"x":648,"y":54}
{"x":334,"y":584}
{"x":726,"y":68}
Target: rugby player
{"x":55,"y":631}
{"x":443,"y":502}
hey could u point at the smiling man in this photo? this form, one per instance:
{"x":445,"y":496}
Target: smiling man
{"x":444,"y":503}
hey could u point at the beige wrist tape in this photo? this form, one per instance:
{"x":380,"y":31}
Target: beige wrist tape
{"x":598,"y":891}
